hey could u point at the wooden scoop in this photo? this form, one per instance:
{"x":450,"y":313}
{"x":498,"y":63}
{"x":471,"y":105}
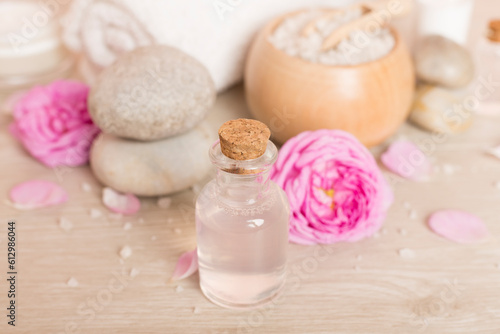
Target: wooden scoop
{"x":374,"y":14}
{"x":328,"y":15}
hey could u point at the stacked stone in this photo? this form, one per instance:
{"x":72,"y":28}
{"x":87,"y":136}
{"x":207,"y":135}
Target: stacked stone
{"x":151,"y":105}
{"x":443,"y":103}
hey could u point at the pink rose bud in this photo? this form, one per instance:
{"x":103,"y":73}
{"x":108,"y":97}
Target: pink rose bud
{"x":53,"y":123}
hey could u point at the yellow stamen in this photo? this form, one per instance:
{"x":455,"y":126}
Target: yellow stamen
{"x":330,"y":193}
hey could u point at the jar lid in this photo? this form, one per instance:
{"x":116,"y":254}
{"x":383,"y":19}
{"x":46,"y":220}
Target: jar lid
{"x":27,"y":29}
{"x":494,"y":31}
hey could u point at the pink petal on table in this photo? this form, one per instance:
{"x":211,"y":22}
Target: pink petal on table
{"x":458,"y":226}
{"x":405,"y":159}
{"x":37,"y":194}
{"x":186,"y":265}
{"x":126,"y":204}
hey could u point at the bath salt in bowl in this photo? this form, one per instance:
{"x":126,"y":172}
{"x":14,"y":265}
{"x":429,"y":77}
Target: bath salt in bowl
{"x":363,"y":85}
{"x":360,"y":47}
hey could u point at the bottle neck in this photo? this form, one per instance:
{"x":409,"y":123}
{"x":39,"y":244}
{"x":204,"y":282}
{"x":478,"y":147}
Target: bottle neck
{"x":246,"y":189}
{"x":242,"y":182}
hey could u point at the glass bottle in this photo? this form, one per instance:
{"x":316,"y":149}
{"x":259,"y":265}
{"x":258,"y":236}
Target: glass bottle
{"x":242,"y":231}
{"x":488,"y":62}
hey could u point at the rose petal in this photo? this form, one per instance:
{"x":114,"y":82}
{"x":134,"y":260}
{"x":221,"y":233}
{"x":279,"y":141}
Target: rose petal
{"x":407,"y":160}
{"x":37,"y":194}
{"x":126,"y":204}
{"x":186,"y":265}
{"x":458,"y":226}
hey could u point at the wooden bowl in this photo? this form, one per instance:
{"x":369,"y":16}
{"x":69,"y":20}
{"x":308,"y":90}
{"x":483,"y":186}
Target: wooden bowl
{"x":291,"y":95}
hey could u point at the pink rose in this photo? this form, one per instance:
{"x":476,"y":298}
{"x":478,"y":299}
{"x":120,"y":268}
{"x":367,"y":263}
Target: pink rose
{"x":53,"y":123}
{"x":335,"y":188}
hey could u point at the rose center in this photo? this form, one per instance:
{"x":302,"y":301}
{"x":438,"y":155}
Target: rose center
{"x":330,"y":193}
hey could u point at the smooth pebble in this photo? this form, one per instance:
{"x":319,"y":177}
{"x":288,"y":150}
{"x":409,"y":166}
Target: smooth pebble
{"x":151,"y":93}
{"x":153,"y":168}
{"x":443,"y":62}
{"x":441,"y":110}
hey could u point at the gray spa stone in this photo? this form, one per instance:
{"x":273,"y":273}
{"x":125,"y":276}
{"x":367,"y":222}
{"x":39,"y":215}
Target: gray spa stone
{"x":441,"y":110}
{"x":443,"y":62}
{"x":151,"y":93}
{"x":153,"y":168}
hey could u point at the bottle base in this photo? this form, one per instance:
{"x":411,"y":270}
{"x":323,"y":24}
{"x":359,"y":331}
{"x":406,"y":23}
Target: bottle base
{"x":242,"y":306}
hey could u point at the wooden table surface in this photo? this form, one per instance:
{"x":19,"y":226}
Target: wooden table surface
{"x":363,"y":287}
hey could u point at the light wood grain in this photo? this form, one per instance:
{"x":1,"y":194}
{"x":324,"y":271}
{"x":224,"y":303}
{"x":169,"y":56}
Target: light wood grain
{"x":336,"y":292}
{"x":363,"y":287}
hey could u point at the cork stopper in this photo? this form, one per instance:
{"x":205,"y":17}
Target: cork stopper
{"x":243,"y":139}
{"x":494,"y":31}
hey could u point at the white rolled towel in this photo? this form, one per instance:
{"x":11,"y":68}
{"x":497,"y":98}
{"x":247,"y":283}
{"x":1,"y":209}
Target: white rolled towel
{"x":216,"y":32}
